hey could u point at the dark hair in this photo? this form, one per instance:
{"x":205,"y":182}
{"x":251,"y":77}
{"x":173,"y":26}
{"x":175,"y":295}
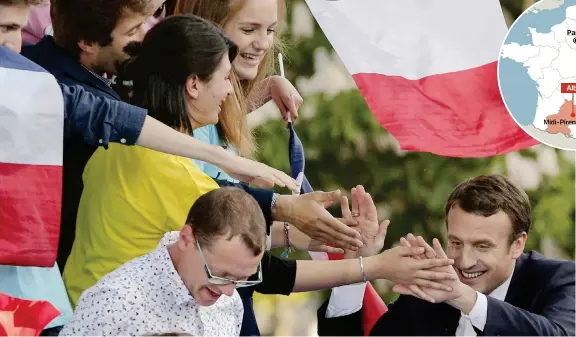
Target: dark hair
{"x":90,"y":20}
{"x":486,"y":195}
{"x":228,"y":210}
{"x":175,"y":49}
{"x":21,"y":2}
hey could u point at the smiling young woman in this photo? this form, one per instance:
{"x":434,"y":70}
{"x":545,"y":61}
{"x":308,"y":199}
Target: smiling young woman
{"x":255,"y":26}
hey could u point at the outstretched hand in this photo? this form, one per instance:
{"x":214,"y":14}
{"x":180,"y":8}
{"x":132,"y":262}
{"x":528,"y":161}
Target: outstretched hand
{"x":365,"y":217}
{"x":308,"y":213}
{"x":250,"y":171}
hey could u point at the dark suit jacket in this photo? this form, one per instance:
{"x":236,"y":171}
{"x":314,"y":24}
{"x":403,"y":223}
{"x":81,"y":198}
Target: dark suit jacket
{"x":539,"y":302}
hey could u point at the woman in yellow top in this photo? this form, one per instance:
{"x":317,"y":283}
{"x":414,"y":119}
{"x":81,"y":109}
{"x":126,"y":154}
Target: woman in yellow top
{"x":133,"y":195}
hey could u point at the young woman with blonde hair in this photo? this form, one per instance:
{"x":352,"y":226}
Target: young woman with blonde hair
{"x":255,"y":26}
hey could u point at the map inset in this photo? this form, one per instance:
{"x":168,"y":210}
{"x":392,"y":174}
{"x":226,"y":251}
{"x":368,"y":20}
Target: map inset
{"x":537,"y":72}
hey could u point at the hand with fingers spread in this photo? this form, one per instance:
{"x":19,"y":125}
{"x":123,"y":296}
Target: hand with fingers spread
{"x":364,"y":214}
{"x":308,"y":213}
{"x":426,"y":293}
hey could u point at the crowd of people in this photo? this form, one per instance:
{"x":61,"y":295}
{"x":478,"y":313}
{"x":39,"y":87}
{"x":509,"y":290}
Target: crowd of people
{"x":161,"y":231}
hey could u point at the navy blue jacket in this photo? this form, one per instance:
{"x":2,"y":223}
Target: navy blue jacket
{"x":95,"y":116}
{"x":539,"y":302}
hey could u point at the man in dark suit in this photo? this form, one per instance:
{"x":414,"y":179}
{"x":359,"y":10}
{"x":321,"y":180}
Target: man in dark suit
{"x":500,"y":290}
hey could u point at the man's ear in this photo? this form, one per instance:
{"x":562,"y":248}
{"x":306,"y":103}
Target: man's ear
{"x":90,"y":48}
{"x":518,"y":245}
{"x":186,"y":238}
{"x":192,"y":86}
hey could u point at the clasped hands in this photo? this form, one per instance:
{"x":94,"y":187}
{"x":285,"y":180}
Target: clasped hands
{"x":417,"y":268}
{"x":461,"y":297}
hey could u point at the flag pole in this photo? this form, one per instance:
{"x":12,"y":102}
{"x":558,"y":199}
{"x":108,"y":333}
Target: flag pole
{"x":281,"y":65}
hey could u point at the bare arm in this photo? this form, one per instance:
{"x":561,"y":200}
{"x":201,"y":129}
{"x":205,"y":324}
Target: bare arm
{"x":395,"y":264}
{"x":159,"y":137}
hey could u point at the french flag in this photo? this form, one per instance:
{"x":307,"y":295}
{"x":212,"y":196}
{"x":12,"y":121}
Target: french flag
{"x":31,"y":150}
{"x":427,"y":70}
{"x":373,"y":304}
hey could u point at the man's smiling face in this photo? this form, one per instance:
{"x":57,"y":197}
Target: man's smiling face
{"x":481,"y":248}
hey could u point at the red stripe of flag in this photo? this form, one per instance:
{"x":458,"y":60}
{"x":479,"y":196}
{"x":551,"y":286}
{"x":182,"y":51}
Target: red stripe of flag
{"x":30,"y":204}
{"x":457,"y":114}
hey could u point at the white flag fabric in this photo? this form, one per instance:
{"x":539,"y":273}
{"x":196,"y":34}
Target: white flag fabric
{"x":428,"y":70}
{"x":31,"y":151}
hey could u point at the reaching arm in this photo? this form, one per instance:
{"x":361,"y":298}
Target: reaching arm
{"x":98,"y":119}
{"x":101,"y":120}
{"x":394,"y":264}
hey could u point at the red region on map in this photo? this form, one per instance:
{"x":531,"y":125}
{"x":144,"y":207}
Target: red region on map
{"x":559,"y":122}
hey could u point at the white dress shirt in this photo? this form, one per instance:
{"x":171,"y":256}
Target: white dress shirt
{"x":147,"y":296}
{"x":348,"y":299}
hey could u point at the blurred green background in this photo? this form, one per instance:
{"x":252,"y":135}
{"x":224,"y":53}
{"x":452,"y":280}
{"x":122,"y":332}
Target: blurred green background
{"x":345,"y":146}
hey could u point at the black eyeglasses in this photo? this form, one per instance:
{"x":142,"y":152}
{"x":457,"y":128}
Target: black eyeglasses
{"x":222,"y":281}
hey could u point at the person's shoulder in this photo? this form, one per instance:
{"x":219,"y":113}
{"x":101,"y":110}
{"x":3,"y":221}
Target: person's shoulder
{"x":539,"y":264}
{"x":145,"y":160}
{"x":12,"y":60}
{"x":127,"y":281}
{"x":192,"y":171}
{"x":206,"y":134}
{"x":40,"y":51}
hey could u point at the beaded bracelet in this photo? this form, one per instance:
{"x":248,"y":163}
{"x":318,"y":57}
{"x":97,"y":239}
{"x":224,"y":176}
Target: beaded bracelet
{"x":288,"y":249}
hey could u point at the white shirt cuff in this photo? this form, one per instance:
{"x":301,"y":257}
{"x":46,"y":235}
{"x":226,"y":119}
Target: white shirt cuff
{"x":345,"y":300}
{"x":479,"y":312}
{"x":269,"y":241}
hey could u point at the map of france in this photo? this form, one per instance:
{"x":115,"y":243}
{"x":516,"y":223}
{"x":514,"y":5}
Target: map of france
{"x":550,"y":62}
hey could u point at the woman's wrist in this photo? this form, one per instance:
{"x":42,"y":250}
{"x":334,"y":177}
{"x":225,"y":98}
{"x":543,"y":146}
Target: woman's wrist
{"x":278,"y":235}
{"x":287,"y":244}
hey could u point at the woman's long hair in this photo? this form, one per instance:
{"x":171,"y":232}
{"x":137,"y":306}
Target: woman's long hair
{"x":175,"y":49}
{"x":221,"y":12}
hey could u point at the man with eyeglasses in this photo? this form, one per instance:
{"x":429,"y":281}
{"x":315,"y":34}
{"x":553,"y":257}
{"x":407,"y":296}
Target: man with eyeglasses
{"x":178,"y":287}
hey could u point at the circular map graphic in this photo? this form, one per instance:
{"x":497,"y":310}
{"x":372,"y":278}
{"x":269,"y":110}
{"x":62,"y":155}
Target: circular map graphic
{"x":537,"y":72}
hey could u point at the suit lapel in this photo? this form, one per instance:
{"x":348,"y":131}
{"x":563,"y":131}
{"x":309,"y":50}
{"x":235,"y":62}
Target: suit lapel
{"x":520,"y":284}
